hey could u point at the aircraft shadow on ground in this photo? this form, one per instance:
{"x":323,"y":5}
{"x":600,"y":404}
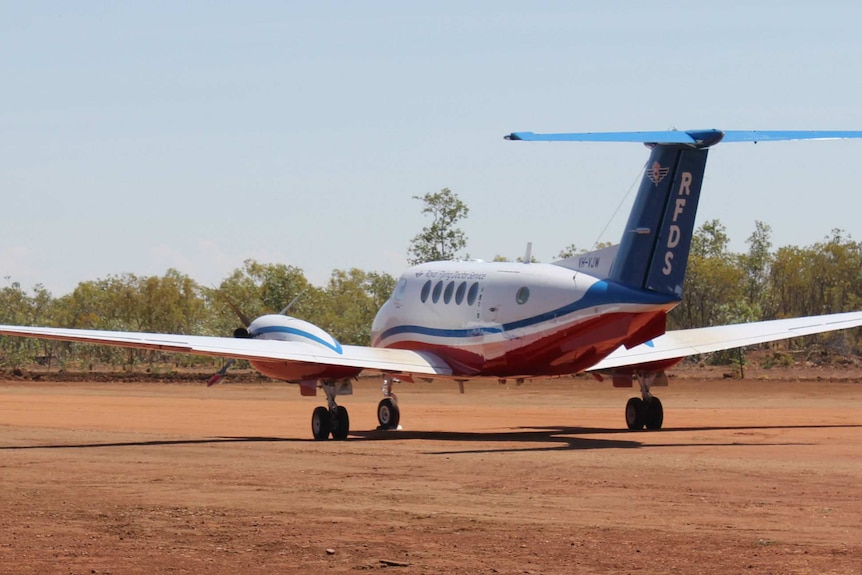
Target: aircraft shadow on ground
{"x":563,"y":437}
{"x":559,"y":437}
{"x":155,"y":443}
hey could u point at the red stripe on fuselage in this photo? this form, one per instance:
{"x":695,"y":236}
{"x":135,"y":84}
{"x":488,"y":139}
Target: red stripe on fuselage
{"x":571,"y":349}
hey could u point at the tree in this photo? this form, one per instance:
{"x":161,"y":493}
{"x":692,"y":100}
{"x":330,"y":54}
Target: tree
{"x":714,"y":286}
{"x":442,"y":239}
{"x":568,"y":252}
{"x":351,"y":300}
{"x":572,"y":250}
{"x":757,"y":263}
{"x":17,"y":308}
{"x":259,"y":289}
{"x":710,"y":240}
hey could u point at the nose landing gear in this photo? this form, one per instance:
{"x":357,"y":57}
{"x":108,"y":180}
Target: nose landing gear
{"x":388,"y":414}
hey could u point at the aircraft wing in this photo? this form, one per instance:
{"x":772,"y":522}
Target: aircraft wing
{"x":683,"y":343}
{"x":398,"y":360}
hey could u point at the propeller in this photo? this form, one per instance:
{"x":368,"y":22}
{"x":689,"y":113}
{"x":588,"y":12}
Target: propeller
{"x":217,"y":376}
{"x":242,"y":317}
{"x":293,"y":301}
{"x":242,"y":332}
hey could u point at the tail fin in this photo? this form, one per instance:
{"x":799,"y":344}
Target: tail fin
{"x":654,"y":248}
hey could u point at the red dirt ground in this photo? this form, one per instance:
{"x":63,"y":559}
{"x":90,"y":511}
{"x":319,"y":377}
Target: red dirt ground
{"x":761,"y":475}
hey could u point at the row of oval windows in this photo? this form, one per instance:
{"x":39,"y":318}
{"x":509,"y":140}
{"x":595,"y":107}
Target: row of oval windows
{"x":521,"y":296}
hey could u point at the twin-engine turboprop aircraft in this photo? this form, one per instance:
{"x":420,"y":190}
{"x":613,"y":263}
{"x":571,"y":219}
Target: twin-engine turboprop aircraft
{"x":603,"y":312}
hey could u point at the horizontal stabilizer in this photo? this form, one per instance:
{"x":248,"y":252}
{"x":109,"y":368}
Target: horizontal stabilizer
{"x":699,"y":138}
{"x":667,"y":137}
{"x":783,"y":135}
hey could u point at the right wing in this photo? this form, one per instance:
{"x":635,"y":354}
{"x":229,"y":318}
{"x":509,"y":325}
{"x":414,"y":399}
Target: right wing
{"x":685,"y":342}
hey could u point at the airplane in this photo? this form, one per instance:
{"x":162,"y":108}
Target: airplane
{"x":602,"y":312}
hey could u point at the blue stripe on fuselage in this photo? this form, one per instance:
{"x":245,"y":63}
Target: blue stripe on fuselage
{"x":600,"y":293}
{"x":293,"y":331}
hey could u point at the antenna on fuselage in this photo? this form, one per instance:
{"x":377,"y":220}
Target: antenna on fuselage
{"x":528,"y":254}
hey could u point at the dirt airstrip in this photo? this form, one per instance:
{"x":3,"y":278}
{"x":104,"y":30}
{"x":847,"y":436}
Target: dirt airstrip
{"x":762,"y":475}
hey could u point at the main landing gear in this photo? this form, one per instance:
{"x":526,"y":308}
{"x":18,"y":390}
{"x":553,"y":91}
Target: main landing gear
{"x":646,"y":411}
{"x":333,"y":419}
{"x":388,"y":414}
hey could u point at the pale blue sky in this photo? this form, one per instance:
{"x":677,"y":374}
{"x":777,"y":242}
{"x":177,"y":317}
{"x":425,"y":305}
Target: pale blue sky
{"x":140,"y":136}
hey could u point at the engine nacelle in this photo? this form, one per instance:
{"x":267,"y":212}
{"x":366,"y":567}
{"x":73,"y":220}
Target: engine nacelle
{"x":286,"y":328}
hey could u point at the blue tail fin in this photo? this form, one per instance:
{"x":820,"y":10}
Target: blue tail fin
{"x":654,"y":248}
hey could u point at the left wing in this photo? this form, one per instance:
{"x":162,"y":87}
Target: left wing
{"x":397,"y":360}
{"x":685,"y":342}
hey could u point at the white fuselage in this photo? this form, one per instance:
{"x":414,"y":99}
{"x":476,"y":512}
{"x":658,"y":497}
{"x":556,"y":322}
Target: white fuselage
{"x":511,"y":319}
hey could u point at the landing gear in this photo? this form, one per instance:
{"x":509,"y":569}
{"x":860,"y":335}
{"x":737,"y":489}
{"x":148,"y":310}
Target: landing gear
{"x":654,"y":414}
{"x":321,"y":423}
{"x":342,"y":423}
{"x":334,"y":419}
{"x":634,"y":413}
{"x":646,"y":411}
{"x":388,"y":414}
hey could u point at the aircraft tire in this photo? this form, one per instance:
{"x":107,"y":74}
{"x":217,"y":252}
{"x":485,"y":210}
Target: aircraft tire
{"x":635,"y":413}
{"x":321,"y":423}
{"x":341,"y":426}
{"x":654,"y":413}
{"x":388,"y":414}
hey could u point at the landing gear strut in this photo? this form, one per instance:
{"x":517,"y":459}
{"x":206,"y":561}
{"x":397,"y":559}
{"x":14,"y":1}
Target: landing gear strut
{"x":388,"y":414}
{"x":333,"y":419}
{"x":646,"y":411}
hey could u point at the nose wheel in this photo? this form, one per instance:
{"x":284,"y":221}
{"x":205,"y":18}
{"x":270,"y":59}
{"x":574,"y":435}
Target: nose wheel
{"x":388,"y":414}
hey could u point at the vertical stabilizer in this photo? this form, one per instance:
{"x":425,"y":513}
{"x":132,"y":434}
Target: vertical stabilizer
{"x":654,"y":248}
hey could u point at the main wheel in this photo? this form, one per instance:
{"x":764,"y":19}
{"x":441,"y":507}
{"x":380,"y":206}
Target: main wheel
{"x":388,"y":414}
{"x":635,"y":413}
{"x":654,"y":413}
{"x":342,"y":423}
{"x":321,"y":423}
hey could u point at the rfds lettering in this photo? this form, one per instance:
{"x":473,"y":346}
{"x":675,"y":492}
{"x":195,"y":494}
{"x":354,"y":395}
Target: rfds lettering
{"x":674,"y":233}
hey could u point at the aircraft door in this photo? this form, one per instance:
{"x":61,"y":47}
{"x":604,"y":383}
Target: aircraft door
{"x":489,"y":307}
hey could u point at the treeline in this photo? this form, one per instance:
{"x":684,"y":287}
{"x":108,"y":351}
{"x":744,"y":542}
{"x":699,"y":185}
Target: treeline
{"x":175,"y":303}
{"x":721,"y":287}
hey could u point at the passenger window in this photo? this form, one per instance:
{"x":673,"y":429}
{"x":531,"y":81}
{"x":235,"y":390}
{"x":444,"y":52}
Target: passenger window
{"x":447,"y":295}
{"x":435,"y":295}
{"x":473,"y":293}
{"x":459,"y":294}
{"x":426,"y":289}
{"x":523,"y":295}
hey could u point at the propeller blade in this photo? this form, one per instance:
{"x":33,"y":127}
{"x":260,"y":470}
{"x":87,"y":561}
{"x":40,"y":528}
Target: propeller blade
{"x":217,"y":376}
{"x":293,"y":301}
{"x":242,"y":317}
{"x":235,"y":308}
